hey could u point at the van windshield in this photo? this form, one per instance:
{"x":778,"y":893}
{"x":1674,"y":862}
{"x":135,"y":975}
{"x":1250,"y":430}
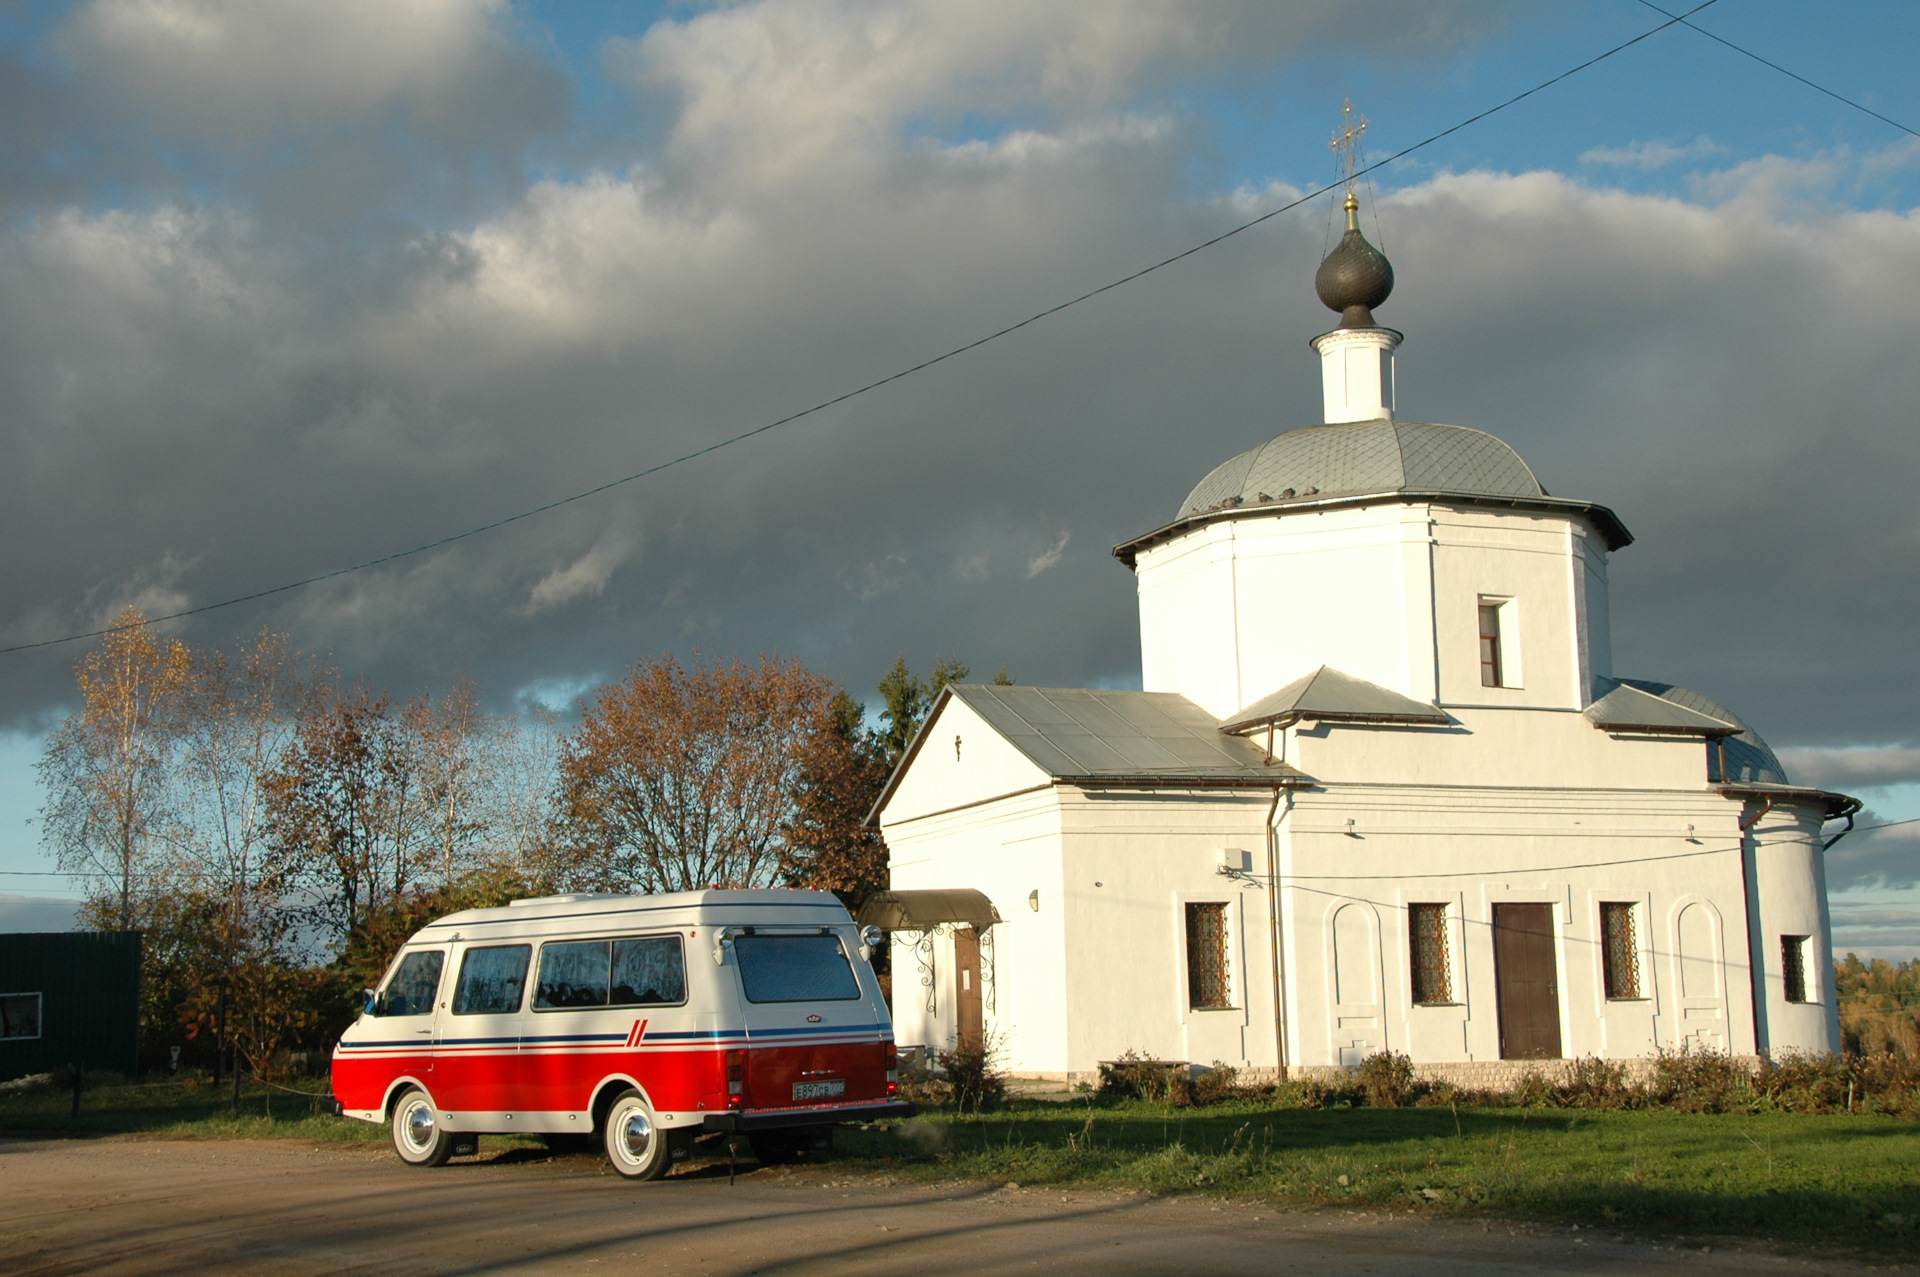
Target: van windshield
{"x":795,"y":969}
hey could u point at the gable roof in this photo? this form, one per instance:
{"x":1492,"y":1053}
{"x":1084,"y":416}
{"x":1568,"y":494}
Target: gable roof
{"x":1093,"y":737}
{"x":1628,"y":709}
{"x":1329,"y":695}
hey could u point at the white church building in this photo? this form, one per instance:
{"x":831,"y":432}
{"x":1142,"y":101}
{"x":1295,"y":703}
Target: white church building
{"x":1382,"y":790}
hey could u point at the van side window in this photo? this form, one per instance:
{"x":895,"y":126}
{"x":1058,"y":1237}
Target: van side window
{"x":492,"y":980}
{"x":414,"y":984}
{"x":795,"y":969}
{"x":636,"y":972}
{"x":647,"y":972}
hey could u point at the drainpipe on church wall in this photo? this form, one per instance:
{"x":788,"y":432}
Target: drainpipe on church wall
{"x":1273,"y":914}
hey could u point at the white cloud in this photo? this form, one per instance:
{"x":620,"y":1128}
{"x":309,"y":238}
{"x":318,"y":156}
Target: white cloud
{"x":1048,"y":558}
{"x":586,"y":575}
{"x":1649,"y":156}
{"x":241,"y":68}
{"x":1853,"y":768}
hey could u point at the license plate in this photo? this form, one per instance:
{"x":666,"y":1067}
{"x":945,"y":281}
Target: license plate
{"x":820,"y":1090}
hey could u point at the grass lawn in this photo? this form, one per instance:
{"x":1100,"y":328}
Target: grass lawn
{"x":1854,"y":1181}
{"x":169,"y":1109}
{"x":1826,"y":1181}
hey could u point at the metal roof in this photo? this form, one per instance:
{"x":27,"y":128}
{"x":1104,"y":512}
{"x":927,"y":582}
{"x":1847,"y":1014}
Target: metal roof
{"x":1366,"y":457}
{"x":1327,"y":694}
{"x":1628,"y":709}
{"x":1077,"y":734}
{"x":1741,"y":758}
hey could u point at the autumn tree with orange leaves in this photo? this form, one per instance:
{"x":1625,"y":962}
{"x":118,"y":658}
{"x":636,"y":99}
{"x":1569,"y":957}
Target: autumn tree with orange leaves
{"x":682,"y":778}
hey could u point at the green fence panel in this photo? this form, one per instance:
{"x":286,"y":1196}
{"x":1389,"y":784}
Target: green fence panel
{"x":69,"y":998}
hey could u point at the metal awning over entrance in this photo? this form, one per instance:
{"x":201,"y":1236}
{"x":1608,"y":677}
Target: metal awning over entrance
{"x":926,"y":909}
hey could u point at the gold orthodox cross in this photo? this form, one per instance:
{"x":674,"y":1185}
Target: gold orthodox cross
{"x":1346,"y":143}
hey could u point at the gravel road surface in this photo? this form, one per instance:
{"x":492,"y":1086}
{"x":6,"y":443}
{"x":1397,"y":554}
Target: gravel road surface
{"x":124,"y":1205}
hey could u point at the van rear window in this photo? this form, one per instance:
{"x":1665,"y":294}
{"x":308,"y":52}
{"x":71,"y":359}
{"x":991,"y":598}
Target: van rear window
{"x":644,"y":971}
{"x":795,"y":969}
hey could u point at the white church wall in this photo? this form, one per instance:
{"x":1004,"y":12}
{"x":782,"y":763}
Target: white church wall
{"x":1526,"y":563}
{"x":1315,"y":588}
{"x":1494,"y":747}
{"x":1132,"y":861}
{"x":1236,"y":609}
{"x":1788,"y":891}
{"x":1472,"y":849}
{"x":1187,"y":631}
{"x":1006,"y":847}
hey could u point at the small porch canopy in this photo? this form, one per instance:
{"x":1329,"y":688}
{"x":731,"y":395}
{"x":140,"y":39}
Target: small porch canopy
{"x":926,"y":909}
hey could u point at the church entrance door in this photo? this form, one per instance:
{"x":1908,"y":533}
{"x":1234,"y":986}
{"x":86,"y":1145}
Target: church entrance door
{"x":966,"y":978}
{"x":1528,"y":988}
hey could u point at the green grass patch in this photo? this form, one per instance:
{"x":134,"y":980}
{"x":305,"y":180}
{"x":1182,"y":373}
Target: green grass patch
{"x":174,"y":1110}
{"x":1789,"y":1177}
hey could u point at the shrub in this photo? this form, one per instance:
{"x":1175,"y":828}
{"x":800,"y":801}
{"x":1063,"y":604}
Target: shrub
{"x":1142,"y":1077}
{"x":972,"y":1078}
{"x":1593,"y":1083}
{"x":1385,"y":1080}
{"x":1696,"y":1081}
{"x":1221,"y":1082}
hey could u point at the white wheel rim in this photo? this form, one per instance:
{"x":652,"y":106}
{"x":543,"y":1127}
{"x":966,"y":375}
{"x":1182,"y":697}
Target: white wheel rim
{"x":416,"y":1126}
{"x":633,"y":1134}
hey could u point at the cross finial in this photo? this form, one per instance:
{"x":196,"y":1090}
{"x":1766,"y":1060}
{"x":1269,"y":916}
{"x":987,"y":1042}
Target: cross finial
{"x":1346,"y":149}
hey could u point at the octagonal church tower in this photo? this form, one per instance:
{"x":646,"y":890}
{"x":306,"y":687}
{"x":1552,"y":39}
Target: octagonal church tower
{"x":1381,"y":790}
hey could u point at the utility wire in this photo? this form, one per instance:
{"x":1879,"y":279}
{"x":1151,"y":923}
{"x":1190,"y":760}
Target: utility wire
{"x":922,"y":366}
{"x":1485,"y":873}
{"x":1791,"y":75}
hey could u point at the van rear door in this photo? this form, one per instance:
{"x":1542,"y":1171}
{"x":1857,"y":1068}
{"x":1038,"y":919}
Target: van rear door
{"x":812,"y":1035}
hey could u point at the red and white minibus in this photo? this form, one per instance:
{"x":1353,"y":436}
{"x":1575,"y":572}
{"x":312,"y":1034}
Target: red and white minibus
{"x":639,"y":1021}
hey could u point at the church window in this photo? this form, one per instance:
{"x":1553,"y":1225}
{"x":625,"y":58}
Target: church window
{"x":1793,"y":966}
{"x":1427,"y":938}
{"x":1619,"y":951}
{"x":1207,"y":984}
{"x":1490,"y":645}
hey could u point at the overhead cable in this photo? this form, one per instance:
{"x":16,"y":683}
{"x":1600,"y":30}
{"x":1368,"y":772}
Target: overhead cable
{"x":922,"y":366}
{"x":1791,"y":75}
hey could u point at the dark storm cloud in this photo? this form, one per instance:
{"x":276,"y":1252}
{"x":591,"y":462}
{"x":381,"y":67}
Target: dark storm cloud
{"x":208,"y":396}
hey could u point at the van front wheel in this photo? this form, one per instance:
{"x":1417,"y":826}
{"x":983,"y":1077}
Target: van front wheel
{"x":636,"y":1142}
{"x":417,"y":1137}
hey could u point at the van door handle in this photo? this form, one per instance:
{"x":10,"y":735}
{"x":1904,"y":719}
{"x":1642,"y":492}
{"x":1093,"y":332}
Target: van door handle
{"x":423,"y":1030}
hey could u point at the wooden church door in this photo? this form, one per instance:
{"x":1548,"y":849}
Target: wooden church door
{"x":1526,"y":982}
{"x":968,"y":1018}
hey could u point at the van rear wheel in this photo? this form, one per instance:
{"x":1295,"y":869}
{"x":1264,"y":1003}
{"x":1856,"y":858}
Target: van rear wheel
{"x":417,"y":1137}
{"x":635,"y":1141}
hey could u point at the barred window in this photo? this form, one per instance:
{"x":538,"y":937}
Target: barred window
{"x":1619,"y":950}
{"x":1207,"y":985}
{"x":1427,"y":936}
{"x":1793,"y":966}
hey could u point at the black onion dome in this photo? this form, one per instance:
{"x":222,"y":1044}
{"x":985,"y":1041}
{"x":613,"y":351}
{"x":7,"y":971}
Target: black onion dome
{"x":1354,"y":278}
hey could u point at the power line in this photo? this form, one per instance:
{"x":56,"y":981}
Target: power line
{"x":1792,"y":75}
{"x":883,"y":381}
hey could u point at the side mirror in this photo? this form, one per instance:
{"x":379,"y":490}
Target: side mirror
{"x":368,"y":999}
{"x":722,"y":942}
{"x":870,"y":937}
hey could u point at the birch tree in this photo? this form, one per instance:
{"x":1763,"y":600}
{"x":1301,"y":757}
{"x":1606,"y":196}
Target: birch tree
{"x":106,"y":767}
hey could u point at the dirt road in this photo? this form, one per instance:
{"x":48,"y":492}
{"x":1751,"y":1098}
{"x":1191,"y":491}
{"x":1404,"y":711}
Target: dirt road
{"x":152,"y":1206}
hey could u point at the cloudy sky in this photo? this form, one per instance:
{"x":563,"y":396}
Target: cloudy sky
{"x":289,"y":285}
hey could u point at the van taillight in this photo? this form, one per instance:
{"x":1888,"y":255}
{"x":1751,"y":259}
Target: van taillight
{"x":736,"y":1078}
{"x":893,"y":1068}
